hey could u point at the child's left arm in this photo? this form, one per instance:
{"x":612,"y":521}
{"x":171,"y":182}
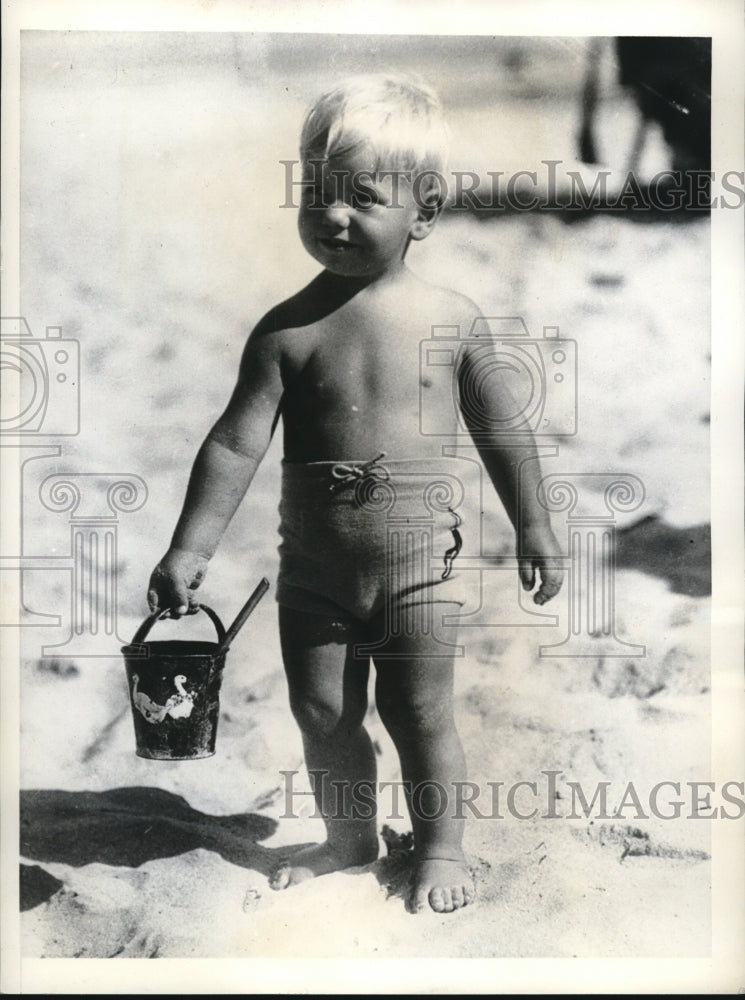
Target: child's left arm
{"x":511,"y":460}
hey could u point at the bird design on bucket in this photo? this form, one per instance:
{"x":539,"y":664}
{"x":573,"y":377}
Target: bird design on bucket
{"x":178,"y":706}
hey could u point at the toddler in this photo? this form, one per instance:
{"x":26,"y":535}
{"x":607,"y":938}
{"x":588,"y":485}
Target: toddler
{"x":370,"y":531}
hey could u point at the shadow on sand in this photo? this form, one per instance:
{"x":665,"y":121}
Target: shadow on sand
{"x":127,"y":827}
{"x":681,"y":556}
{"x":130,"y":826}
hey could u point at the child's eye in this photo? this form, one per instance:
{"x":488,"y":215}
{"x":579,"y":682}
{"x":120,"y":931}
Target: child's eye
{"x":365,"y":198}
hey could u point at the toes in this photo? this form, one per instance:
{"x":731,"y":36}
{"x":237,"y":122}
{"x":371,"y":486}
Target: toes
{"x":419,"y":900}
{"x":441,"y":887}
{"x":457,"y":896}
{"x":280,"y":877}
{"x":436,"y":899}
{"x":441,"y":900}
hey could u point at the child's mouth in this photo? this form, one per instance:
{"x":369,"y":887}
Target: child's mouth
{"x":335,"y":245}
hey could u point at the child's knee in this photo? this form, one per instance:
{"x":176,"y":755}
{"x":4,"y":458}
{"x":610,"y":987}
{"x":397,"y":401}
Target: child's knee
{"x":415,"y":714}
{"x":325,"y":720}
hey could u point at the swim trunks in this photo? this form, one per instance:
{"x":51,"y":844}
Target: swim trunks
{"x":360,"y":536}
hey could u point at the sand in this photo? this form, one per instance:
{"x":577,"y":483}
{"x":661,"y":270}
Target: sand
{"x":158,"y":253}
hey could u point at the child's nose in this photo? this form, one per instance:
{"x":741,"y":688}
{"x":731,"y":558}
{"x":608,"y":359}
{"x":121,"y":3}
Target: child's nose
{"x":336,"y":215}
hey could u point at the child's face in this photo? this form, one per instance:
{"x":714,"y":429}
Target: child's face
{"x":357,"y":223}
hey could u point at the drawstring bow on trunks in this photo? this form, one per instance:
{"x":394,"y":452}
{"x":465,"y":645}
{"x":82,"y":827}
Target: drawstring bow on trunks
{"x":344,"y":475}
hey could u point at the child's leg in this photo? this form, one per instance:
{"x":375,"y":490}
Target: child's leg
{"x":414,"y":695}
{"x":328,"y":697}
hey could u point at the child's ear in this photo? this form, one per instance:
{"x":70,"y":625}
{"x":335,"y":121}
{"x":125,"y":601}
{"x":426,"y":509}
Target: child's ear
{"x":427,"y":216}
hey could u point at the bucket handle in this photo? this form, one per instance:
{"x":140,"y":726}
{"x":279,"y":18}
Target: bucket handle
{"x":143,"y":630}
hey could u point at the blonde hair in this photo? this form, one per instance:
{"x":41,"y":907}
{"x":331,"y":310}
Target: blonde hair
{"x":398,"y":115}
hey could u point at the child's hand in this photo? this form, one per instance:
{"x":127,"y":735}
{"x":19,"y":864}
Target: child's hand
{"x":174,"y":581}
{"x":539,"y":550}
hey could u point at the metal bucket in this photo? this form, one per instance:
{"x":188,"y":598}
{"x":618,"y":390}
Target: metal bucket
{"x":174,"y":690}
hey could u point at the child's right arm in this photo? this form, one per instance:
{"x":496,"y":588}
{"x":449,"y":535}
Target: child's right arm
{"x":222,"y":472}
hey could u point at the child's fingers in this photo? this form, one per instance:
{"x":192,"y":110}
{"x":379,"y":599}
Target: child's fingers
{"x":180,"y":603}
{"x":175,"y":601}
{"x":552,"y":578}
{"x":526,"y":571}
{"x":172,"y":588}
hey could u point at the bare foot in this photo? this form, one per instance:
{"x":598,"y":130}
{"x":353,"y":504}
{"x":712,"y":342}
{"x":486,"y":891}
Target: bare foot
{"x":444,"y":885}
{"x":320,"y":859}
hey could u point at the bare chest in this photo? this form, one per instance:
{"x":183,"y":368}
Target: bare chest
{"x":362,"y":366}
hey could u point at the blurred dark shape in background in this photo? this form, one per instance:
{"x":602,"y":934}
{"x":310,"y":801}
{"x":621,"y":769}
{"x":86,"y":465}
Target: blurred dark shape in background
{"x":670,"y":80}
{"x":682,"y":556}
